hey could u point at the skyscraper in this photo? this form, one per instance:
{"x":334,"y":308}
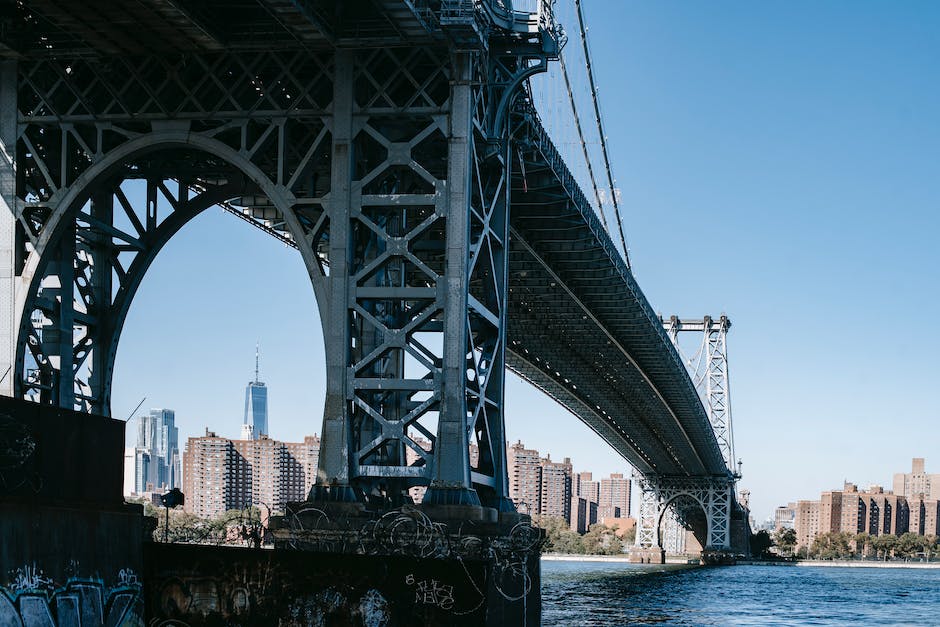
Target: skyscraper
{"x":256,"y":406}
{"x":156,"y":457}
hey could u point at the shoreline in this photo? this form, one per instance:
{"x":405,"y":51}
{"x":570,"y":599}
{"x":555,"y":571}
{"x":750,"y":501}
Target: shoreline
{"x":625,"y":559}
{"x":844,"y":564}
{"x":614,"y":559}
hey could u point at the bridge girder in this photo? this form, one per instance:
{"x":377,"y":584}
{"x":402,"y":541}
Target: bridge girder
{"x":389,"y":167}
{"x":386,"y":166}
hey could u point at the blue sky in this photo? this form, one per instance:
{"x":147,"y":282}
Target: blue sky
{"x":778,"y":162}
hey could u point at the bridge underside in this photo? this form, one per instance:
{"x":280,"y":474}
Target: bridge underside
{"x":581,"y":329}
{"x":444,"y":235}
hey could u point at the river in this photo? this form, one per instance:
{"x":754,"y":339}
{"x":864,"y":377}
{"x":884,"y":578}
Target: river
{"x":592,"y":593}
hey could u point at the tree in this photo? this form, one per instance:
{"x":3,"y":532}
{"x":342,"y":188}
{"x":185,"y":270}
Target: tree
{"x":909,"y":545}
{"x":760,"y":543}
{"x":558,"y":537}
{"x":629,"y":538}
{"x":884,"y":545}
{"x":862,"y":543}
{"x":785,"y":540}
{"x":931,"y":546}
{"x":601,"y":540}
{"x":832,"y":545}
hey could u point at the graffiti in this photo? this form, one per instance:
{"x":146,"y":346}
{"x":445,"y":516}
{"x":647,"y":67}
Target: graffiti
{"x":17,"y":446}
{"x":34,"y":600}
{"x":29,"y":578}
{"x":432,"y":592}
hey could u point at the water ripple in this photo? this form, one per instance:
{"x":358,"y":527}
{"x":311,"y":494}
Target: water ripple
{"x":598,"y":593}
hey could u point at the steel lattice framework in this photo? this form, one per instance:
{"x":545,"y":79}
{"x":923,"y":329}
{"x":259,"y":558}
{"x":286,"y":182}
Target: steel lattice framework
{"x":444,"y":236}
{"x":714,"y":496}
{"x":709,"y":371}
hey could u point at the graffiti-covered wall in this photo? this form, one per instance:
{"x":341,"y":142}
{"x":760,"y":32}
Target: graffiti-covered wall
{"x":201,"y":586}
{"x":70,"y":549}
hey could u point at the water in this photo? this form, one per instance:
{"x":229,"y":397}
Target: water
{"x":592,"y":593}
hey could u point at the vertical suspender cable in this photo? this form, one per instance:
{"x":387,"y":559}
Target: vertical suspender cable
{"x":600,"y":130}
{"x":587,"y":159}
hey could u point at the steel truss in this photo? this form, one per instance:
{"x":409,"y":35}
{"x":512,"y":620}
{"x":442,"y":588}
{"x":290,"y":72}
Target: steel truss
{"x":713,"y":496}
{"x":709,"y":371}
{"x":387,"y":168}
{"x":686,"y":498}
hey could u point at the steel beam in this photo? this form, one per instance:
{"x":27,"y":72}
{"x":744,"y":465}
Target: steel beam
{"x":8,"y":135}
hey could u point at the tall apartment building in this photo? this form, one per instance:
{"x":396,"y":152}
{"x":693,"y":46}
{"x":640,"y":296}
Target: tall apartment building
{"x":873,"y":511}
{"x":924,"y":516}
{"x":614,"y":497}
{"x":887,"y":513}
{"x":584,"y":486}
{"x":155,"y":460}
{"x":524,"y":467}
{"x":583,"y":514}
{"x":221,"y":474}
{"x":806,"y":522}
{"x":584,"y":500}
{"x":830,"y":511}
{"x":917,"y":482}
{"x":555,"y":498}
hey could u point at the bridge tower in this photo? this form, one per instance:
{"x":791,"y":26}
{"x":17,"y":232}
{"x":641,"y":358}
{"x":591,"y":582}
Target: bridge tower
{"x":686,"y":498}
{"x":378,"y":146}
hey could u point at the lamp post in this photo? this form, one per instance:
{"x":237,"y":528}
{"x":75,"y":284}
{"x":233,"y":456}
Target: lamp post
{"x":172,"y":498}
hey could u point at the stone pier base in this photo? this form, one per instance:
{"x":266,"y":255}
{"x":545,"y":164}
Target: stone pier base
{"x":651,"y":555}
{"x":441,"y":565}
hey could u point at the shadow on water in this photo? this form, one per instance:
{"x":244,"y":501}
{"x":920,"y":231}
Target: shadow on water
{"x":591,"y":593}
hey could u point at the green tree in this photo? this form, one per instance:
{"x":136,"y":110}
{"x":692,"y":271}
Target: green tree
{"x":558,"y":537}
{"x":832,"y":545}
{"x":909,"y":545}
{"x":931,"y":546}
{"x":862,"y":543}
{"x":884,"y":545}
{"x":760,"y":543}
{"x":785,"y":540}
{"x":629,"y":538}
{"x":601,"y":540}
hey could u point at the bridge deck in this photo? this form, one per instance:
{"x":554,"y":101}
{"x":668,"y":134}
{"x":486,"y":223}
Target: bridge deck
{"x":581,"y":329}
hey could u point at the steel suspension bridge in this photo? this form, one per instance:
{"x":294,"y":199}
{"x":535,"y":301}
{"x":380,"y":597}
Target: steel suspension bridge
{"x":405,"y":148}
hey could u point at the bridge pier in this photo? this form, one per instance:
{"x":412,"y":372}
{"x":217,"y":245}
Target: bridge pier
{"x":484,"y":562}
{"x":692,"y":498}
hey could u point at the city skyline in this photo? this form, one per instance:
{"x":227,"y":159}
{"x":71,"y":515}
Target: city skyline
{"x":776,"y":143}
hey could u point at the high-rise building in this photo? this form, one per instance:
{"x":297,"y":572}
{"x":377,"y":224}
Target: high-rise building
{"x":555,"y":497}
{"x":584,"y":499}
{"x":221,"y":474}
{"x":917,"y":482}
{"x":255,"y":423}
{"x":156,"y":464}
{"x":614,"y":497}
{"x":784,"y":516}
{"x":924,"y":516}
{"x":806,"y":522}
{"x":524,"y":467}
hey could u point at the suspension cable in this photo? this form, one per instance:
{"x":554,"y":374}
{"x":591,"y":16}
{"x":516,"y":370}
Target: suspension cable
{"x":600,"y":130}
{"x":587,"y":159}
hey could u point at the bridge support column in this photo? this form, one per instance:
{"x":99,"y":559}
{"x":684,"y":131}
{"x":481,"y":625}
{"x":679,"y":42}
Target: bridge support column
{"x":418,"y":281}
{"x":691,"y":498}
{"x":8,"y":83}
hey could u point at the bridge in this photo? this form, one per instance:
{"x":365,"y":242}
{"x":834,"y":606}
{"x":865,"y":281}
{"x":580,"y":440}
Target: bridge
{"x":396,"y":145}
